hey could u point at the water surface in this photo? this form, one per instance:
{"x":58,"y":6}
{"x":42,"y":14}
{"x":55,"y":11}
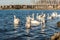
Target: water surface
{"x":9,"y":32}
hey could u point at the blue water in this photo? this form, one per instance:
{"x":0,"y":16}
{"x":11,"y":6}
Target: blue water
{"x":9,"y":32}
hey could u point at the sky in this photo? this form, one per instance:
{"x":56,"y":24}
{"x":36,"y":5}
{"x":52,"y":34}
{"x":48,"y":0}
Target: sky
{"x":12,"y":2}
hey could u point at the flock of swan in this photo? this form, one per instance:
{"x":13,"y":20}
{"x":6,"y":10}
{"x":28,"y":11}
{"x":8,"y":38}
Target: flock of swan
{"x":40,"y":19}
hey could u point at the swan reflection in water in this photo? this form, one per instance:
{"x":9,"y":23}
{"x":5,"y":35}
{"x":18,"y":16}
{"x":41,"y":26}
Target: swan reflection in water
{"x":28,"y":33}
{"x":15,"y":26}
{"x":28,"y":38}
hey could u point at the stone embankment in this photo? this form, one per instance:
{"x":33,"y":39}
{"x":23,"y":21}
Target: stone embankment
{"x":38,"y":7}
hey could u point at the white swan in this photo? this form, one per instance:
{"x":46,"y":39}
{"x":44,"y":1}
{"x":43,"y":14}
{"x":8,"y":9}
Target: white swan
{"x":38,"y":17}
{"x":16,"y":20}
{"x":54,"y":14}
{"x":32,"y":17}
{"x":34,"y":23}
{"x":28,"y":22}
{"x":44,"y":15}
{"x":31,"y":22}
{"x":49,"y":17}
{"x":41,"y":17}
{"x":58,"y":15}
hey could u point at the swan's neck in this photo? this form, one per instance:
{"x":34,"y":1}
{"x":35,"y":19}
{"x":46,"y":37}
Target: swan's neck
{"x":48,"y":15}
{"x":33,"y":16}
{"x":37,"y":15}
{"x":14,"y":17}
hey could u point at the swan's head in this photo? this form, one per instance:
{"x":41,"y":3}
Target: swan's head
{"x":14,"y":16}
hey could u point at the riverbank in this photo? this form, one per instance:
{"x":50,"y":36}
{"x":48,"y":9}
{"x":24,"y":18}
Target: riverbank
{"x":31,"y":7}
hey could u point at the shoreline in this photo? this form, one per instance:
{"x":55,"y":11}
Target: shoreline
{"x":29,"y":9}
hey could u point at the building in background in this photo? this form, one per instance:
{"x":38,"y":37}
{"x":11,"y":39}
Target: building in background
{"x":46,"y":2}
{"x":30,"y":4}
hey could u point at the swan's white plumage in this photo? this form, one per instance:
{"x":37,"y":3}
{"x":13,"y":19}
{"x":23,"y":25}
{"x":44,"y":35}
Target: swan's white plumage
{"x":16,"y":20}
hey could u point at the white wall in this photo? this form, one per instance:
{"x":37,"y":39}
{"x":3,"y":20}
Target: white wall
{"x":11,"y":2}
{"x":21,"y":2}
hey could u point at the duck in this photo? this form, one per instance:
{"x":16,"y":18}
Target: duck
{"x":16,"y":20}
